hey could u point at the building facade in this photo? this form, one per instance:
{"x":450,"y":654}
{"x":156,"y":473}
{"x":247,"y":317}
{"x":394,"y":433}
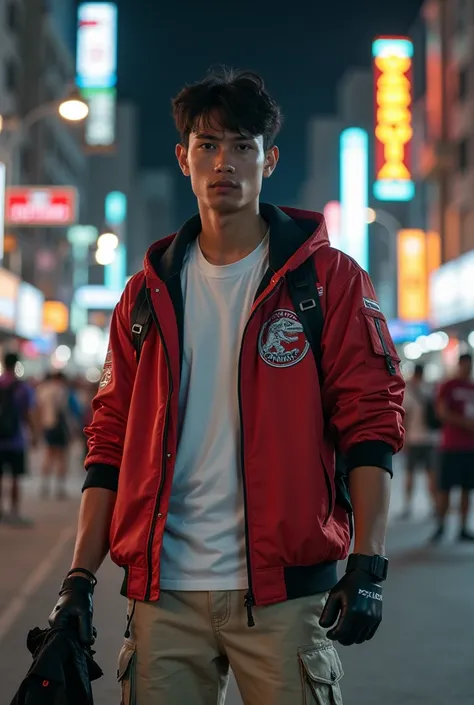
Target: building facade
{"x":51,"y":152}
{"x":446,"y":138}
{"x":444,"y":164}
{"x":10,"y":62}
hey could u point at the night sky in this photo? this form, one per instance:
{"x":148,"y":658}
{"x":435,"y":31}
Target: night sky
{"x":301,"y":50}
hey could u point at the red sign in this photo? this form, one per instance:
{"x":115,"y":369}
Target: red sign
{"x":41,"y":206}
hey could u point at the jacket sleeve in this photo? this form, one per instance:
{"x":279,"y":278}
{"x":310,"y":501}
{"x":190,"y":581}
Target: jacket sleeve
{"x":111,"y":404}
{"x":363,"y":387}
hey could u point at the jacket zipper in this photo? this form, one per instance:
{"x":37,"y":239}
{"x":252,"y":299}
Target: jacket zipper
{"x":388,"y":357}
{"x":163,"y":451}
{"x":249,"y":601}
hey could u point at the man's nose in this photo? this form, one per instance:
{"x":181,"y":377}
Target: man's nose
{"x":224,"y":168}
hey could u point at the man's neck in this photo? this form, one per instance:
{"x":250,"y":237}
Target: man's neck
{"x":226,"y":238}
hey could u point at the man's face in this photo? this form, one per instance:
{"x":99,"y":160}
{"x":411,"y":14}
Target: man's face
{"x":226,"y":168}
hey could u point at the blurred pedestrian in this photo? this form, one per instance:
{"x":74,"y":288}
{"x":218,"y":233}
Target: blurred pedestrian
{"x":456,"y":411}
{"x":17,"y":415}
{"x":422,"y":431}
{"x":53,"y":398}
{"x":211,"y":468}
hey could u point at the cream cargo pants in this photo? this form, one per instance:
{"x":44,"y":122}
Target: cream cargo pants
{"x":181,"y":647}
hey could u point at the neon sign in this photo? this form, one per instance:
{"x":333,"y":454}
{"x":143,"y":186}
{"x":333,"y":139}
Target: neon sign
{"x":393,"y":118}
{"x":354,"y":186}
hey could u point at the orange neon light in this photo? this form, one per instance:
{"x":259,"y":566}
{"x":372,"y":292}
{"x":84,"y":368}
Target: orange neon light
{"x":412,"y":275}
{"x":394,"y":129}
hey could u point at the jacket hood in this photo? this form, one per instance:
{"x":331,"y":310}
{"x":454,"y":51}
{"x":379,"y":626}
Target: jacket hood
{"x":294,"y":236}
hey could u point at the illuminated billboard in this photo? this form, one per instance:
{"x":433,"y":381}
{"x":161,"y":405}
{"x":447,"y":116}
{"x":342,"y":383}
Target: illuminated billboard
{"x":29,"y":311}
{"x":44,"y":206}
{"x":393,"y":58}
{"x":96,"y":70}
{"x":354,"y":156}
{"x":412,"y":275}
{"x":452,"y":292}
{"x":9,"y":285}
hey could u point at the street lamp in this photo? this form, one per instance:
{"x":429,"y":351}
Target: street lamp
{"x":107,"y":244}
{"x":107,"y":241}
{"x":72,"y":108}
{"x":105,"y":256}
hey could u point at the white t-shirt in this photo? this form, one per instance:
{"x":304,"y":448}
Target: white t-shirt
{"x":204,"y":540}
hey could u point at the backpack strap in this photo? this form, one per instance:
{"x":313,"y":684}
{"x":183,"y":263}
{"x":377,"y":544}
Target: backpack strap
{"x":140,"y":321}
{"x":303,"y":287}
{"x":302,"y":283}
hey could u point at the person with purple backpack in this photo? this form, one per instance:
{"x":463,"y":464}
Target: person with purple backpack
{"x":16,"y":416}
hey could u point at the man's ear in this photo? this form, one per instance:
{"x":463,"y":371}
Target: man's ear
{"x":182,"y":157}
{"x":271,"y":160}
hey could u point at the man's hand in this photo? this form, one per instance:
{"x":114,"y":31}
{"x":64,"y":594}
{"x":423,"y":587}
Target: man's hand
{"x":357,"y":601}
{"x":74,"y":608}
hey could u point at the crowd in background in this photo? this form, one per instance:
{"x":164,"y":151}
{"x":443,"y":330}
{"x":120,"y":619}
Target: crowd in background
{"x":47,"y":415}
{"x":439,"y":425}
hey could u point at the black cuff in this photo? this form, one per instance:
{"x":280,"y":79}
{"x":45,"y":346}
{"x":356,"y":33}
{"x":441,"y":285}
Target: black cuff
{"x":374,"y":453}
{"x":103,"y":476}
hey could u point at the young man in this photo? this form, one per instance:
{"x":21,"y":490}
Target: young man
{"x":456,"y":411}
{"x":211,"y":461}
{"x":420,"y":437}
{"x":16,"y":415}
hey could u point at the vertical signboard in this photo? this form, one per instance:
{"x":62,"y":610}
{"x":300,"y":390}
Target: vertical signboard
{"x":354,"y":146}
{"x":115,"y":273}
{"x":96,"y":70}
{"x":412,"y":275}
{"x":393,"y":118}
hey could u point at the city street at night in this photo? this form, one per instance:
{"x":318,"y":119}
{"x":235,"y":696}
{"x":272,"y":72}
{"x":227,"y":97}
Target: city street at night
{"x":236,"y":268}
{"x":422,"y":653}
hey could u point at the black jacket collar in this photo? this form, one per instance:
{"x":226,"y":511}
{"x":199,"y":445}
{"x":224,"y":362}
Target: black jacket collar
{"x":286,"y":237}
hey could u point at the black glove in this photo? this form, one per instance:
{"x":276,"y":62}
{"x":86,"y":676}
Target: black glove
{"x":74,"y":609}
{"x":357,"y":601}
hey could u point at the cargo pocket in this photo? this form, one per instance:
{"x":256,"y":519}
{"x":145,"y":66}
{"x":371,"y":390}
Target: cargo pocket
{"x":126,"y":674}
{"x":382,"y":351}
{"x":321,"y":671}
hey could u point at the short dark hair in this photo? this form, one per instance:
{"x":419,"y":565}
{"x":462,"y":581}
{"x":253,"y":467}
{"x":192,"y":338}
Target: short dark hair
{"x":465,"y":357}
{"x":419,"y":369}
{"x":10,"y":361}
{"x":238,"y":97}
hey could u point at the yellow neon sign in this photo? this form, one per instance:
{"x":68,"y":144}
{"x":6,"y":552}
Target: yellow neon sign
{"x":394,"y":129}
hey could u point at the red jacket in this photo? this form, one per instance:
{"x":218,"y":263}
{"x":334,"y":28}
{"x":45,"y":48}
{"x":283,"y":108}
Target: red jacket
{"x":296,"y":527}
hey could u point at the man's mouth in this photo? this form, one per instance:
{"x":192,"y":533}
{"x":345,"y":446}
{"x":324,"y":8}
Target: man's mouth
{"x":224,"y":183}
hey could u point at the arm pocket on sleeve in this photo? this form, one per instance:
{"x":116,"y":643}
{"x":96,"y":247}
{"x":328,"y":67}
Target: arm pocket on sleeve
{"x":382,"y":351}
